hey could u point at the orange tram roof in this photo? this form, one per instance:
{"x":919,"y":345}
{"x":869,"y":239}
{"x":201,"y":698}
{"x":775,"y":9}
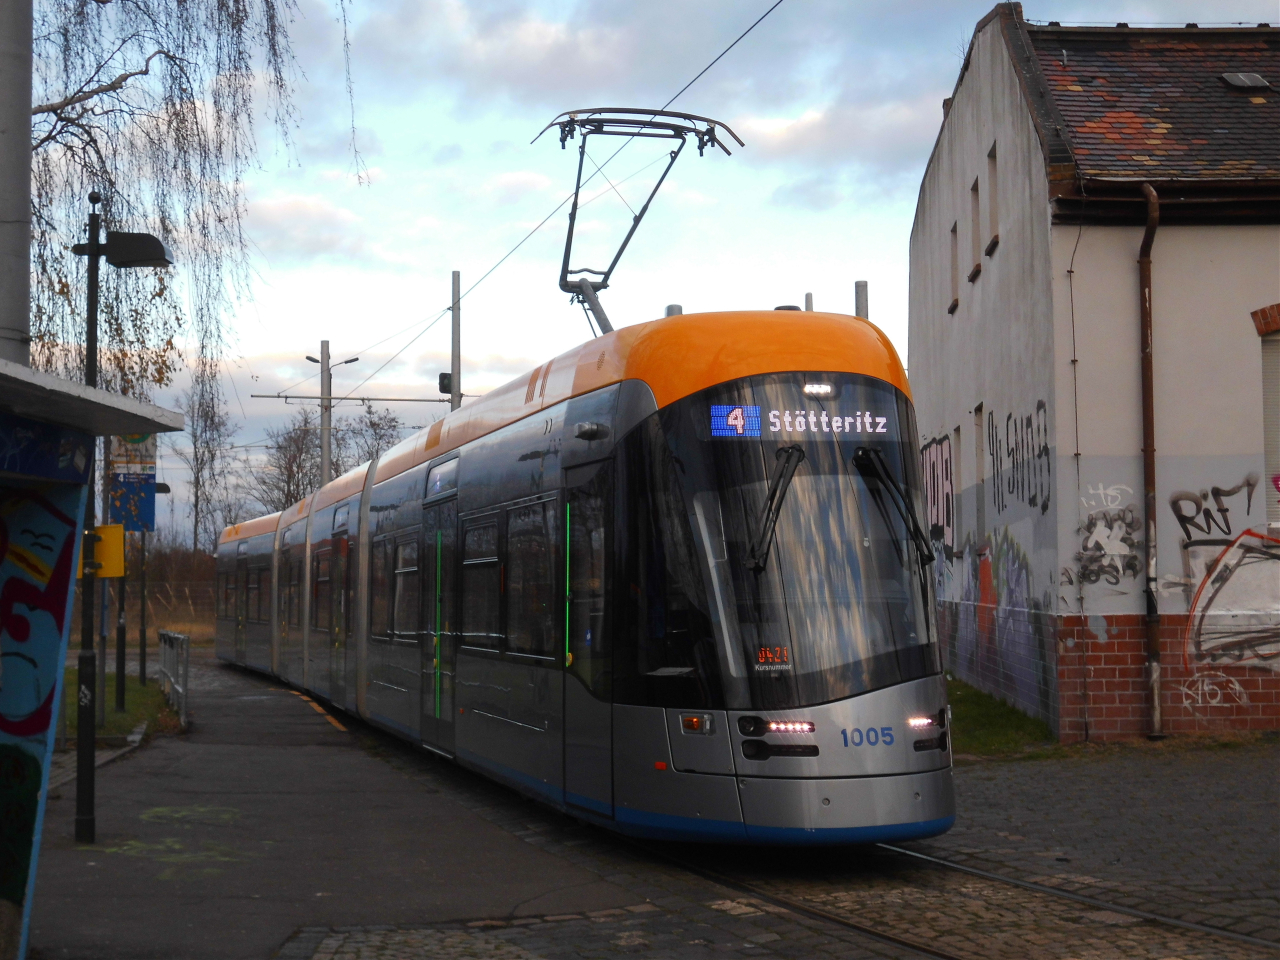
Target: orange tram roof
{"x":676,"y":356}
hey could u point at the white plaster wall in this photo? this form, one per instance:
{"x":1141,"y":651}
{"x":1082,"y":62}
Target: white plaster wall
{"x":997,"y":349}
{"x":997,"y":578}
{"x":1207,"y":360}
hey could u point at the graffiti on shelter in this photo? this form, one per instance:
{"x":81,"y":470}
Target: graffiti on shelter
{"x":1020,"y":461}
{"x":1109,"y":548}
{"x":940,"y":492}
{"x":1106,"y":496}
{"x":1207,"y":690}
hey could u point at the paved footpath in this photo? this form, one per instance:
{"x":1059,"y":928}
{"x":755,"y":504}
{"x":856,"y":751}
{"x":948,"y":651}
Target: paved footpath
{"x":270,"y":832}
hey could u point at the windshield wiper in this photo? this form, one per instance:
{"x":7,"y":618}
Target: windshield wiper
{"x":788,"y":459}
{"x":870,"y":460}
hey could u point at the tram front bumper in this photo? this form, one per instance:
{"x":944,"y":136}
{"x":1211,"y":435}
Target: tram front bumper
{"x":849,"y":809}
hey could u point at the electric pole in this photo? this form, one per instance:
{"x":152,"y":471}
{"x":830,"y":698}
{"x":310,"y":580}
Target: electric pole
{"x":326,"y":415}
{"x":455,"y":366}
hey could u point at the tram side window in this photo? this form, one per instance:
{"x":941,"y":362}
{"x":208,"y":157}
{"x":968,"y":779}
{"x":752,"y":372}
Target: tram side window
{"x":251,"y":600}
{"x":320,"y":609}
{"x":264,"y":594}
{"x":380,"y":590}
{"x":665,"y":654}
{"x":531,"y":624}
{"x":481,"y":587}
{"x":295,"y":593}
{"x":407,"y":608}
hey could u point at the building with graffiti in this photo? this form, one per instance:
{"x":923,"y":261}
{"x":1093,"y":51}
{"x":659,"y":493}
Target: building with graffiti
{"x":1106,"y":517}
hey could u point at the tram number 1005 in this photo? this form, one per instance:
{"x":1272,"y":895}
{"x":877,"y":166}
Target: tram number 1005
{"x":870,"y":737}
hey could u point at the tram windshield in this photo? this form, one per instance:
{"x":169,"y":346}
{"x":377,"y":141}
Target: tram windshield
{"x":780,"y":558}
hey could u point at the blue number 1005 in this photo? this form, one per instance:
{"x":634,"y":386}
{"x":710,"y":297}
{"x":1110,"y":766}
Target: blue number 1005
{"x":872,"y":736}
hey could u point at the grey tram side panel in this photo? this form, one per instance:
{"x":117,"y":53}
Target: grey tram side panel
{"x":358,"y":702}
{"x":393,"y":667}
{"x":511,"y":706}
{"x":224,"y":619}
{"x":652,"y":796}
{"x":317,"y":641}
{"x":257,"y":651}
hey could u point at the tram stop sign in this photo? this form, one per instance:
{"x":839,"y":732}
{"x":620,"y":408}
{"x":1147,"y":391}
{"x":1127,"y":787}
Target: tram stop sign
{"x":132,"y":468}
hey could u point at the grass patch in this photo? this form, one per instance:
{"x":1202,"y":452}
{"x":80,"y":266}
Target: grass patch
{"x":985,"y":726}
{"x":140,"y":704}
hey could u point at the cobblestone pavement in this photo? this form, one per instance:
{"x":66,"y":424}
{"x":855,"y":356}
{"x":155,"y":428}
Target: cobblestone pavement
{"x":1190,"y":833}
{"x":1220,"y":796}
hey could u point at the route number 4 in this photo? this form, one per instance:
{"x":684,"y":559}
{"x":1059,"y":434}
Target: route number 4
{"x":737,"y":419}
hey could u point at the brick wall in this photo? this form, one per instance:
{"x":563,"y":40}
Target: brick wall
{"x":1103,"y":683}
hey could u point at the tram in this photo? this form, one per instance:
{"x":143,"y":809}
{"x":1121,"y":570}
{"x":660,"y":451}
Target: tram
{"x":672,"y":582}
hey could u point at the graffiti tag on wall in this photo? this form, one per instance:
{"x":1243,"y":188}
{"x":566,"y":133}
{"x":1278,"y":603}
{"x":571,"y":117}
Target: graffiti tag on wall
{"x":1020,"y":463}
{"x":1211,"y":690}
{"x":1109,"y":549}
{"x":940,"y":493}
{"x":1232,"y":577}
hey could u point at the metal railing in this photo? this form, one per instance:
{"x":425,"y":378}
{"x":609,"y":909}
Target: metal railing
{"x":175,"y":671}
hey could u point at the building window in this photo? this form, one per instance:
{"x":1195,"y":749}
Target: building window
{"x":993,"y":205}
{"x":975,"y":231}
{"x":955,"y":270}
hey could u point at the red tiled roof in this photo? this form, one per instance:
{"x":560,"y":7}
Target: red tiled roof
{"x":1147,"y":104}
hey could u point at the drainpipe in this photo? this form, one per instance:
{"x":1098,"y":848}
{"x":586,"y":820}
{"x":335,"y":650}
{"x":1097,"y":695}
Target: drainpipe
{"x":1149,"y":459}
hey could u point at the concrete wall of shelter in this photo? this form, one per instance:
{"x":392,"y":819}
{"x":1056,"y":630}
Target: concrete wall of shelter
{"x":982,"y":377}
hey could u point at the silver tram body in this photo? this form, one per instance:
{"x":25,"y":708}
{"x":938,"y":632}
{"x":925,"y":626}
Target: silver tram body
{"x":704,"y":619}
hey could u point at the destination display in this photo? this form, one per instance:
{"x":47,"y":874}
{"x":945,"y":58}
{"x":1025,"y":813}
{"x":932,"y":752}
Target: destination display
{"x":743,"y":420}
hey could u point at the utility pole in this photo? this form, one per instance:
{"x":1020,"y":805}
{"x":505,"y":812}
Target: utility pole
{"x":455,"y":365}
{"x":326,"y":415}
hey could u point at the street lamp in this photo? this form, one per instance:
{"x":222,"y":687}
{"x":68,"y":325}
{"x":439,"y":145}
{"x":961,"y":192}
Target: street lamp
{"x":122,"y":250}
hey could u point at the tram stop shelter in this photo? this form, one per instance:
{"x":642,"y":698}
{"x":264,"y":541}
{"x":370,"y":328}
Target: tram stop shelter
{"x":47,"y":431}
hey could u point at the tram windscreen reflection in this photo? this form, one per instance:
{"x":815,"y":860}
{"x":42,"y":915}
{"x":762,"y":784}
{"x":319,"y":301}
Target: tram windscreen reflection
{"x":839,"y":603}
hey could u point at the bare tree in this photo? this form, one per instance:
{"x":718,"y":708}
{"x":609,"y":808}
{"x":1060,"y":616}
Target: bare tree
{"x":151,"y":102}
{"x":291,"y":468}
{"x":361,"y":438}
{"x":209,"y":460}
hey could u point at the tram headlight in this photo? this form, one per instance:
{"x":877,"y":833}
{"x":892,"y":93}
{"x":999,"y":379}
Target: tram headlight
{"x":919,"y":723}
{"x":791,"y":726}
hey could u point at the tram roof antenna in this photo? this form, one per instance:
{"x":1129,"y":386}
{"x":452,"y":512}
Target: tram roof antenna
{"x":627,"y":122}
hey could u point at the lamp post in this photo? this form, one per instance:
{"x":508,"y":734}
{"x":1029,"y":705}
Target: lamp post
{"x":122,"y":250}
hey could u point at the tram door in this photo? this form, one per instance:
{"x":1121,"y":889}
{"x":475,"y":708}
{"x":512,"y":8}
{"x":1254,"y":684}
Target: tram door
{"x":439,"y":599}
{"x":242,"y":602}
{"x":588,"y":711}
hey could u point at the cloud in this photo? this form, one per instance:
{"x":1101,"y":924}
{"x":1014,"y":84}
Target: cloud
{"x":515,"y":185}
{"x":304,"y":228}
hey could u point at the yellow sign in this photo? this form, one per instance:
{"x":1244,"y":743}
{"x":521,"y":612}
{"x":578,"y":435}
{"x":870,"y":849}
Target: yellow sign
{"x":108,"y":552}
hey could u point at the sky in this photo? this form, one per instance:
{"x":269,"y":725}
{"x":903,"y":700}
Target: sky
{"x":838,"y":103}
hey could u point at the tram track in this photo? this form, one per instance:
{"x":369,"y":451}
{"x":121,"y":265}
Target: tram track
{"x":881,"y":934}
{"x":1081,"y":898}
{"x":798,"y":906}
